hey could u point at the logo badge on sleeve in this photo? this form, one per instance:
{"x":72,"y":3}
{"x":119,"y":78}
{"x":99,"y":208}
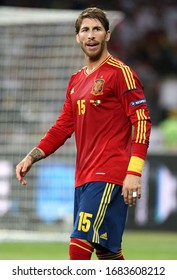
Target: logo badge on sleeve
{"x":138,"y":102}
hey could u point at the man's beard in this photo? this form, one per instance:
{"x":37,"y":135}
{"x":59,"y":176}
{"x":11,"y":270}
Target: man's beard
{"x":94,"y":56}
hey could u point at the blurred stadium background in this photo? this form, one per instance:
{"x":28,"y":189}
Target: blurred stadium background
{"x":38,"y":54}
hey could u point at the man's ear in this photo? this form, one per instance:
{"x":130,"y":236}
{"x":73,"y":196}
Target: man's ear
{"x":77,"y":39}
{"x":108,"y":36}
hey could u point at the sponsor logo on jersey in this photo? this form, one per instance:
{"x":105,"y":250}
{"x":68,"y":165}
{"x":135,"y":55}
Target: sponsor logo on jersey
{"x":97,"y":88}
{"x":104,"y":236}
{"x":138,"y":102}
{"x":72,"y":91}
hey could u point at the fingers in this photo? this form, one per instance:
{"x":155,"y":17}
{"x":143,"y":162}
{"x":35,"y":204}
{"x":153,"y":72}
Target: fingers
{"x":129,"y":198}
{"x":20,"y":173}
{"x":132,"y":198}
{"x":21,"y":170}
{"x":131,"y":190}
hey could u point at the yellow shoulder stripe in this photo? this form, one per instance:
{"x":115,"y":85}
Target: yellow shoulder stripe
{"x":128,"y":75}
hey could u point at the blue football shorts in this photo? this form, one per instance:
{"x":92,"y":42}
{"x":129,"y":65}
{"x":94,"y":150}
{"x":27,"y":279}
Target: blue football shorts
{"x":100,"y":214}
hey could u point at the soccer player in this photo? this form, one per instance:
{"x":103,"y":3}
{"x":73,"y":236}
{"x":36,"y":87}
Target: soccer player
{"x":106,"y":108}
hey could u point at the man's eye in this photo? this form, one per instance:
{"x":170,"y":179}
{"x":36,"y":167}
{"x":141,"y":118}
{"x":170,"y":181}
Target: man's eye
{"x":97,"y":28}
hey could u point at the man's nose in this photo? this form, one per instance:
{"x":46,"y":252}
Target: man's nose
{"x":91,"y":35}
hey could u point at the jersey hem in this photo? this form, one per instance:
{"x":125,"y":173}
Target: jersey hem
{"x":106,"y":180}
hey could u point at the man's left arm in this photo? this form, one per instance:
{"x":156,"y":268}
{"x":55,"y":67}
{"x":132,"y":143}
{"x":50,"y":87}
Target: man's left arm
{"x":141,"y":123}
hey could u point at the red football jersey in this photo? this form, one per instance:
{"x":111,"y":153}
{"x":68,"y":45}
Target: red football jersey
{"x":101,"y":108}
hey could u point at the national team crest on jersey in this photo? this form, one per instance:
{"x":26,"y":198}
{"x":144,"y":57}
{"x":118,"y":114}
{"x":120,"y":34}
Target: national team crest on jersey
{"x":98,"y":87}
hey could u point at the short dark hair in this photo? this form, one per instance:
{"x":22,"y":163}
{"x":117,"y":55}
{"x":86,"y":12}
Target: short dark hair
{"x":92,"y":13}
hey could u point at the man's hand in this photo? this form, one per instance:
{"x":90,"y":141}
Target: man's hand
{"x":131,"y":189}
{"x":24,"y":166}
{"x":22,"y":169}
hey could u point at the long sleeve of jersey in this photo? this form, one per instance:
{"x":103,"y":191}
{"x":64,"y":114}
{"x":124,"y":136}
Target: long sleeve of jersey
{"x":136,"y":109}
{"x":60,"y":131}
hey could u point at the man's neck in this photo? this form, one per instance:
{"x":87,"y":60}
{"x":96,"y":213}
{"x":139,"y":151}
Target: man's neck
{"x":93,"y":64}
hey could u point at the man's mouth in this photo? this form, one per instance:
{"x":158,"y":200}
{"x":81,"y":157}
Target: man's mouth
{"x":92,"y":45}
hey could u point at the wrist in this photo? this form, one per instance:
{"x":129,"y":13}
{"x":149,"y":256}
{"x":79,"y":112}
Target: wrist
{"x":35,"y":155}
